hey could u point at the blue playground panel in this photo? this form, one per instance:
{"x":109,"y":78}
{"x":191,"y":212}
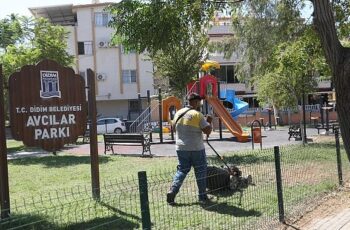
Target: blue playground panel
{"x":238,"y":105}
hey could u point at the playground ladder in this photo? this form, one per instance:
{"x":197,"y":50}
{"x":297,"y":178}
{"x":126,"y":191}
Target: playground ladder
{"x":143,"y":121}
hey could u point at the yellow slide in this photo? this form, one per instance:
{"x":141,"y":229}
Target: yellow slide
{"x":227,"y":119}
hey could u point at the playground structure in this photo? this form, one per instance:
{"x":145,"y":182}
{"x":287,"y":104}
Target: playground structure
{"x":207,"y":88}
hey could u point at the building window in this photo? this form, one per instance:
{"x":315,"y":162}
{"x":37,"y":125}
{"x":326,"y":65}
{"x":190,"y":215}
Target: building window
{"x":129,"y":76}
{"x":102,"y":18}
{"x":227,"y":74}
{"x":85,"y":48}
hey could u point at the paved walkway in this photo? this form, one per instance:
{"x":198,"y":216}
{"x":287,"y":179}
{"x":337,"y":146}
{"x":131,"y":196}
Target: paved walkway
{"x":333,"y":221}
{"x":338,"y":221}
{"x":228,"y":144}
{"x":271,"y":138}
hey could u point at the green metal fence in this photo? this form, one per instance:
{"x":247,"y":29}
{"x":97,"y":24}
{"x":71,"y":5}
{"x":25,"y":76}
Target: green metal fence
{"x":306,"y":174}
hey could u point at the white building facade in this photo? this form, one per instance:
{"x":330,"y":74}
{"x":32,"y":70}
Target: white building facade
{"x":120,"y":77}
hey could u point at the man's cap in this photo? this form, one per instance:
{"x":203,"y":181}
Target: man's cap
{"x":194,"y":96}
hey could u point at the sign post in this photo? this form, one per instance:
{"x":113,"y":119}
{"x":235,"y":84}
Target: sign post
{"x":95,"y":178}
{"x":4,"y":181}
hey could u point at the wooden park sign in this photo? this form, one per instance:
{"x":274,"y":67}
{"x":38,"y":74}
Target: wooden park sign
{"x":48,"y":105}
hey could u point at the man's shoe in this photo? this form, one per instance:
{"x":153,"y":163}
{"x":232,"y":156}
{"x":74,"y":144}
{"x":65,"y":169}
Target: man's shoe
{"x":170,"y":198}
{"x":205,"y":200}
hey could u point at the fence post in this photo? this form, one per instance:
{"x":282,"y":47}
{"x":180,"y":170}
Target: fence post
{"x":339,"y":165}
{"x":95,"y":171}
{"x":145,"y":213}
{"x":279,"y":184}
{"x":160,"y":115}
{"x":4,"y":177}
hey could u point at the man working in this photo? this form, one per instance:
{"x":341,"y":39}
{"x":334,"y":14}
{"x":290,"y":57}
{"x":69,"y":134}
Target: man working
{"x":189,"y":124}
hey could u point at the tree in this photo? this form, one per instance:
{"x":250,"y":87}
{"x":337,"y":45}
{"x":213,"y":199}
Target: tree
{"x":181,"y":65}
{"x":172,"y":32}
{"x":292,"y":71}
{"x":337,"y":55}
{"x":26,"y":41}
{"x":258,"y":27}
{"x":40,"y":40}
{"x":155,"y":25}
{"x":10,"y":31}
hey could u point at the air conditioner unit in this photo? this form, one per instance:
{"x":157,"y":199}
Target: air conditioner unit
{"x":101,"y":77}
{"x":103,"y":44}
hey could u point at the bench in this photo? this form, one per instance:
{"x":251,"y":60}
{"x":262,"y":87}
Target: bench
{"x":85,"y":137}
{"x":135,"y":138}
{"x":294,"y":131}
{"x":333,"y":126}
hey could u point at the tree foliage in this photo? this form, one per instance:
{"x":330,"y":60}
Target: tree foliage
{"x":341,"y":10}
{"x":259,"y":26}
{"x":182,"y":64}
{"x":11,"y":31}
{"x":155,"y":25}
{"x":172,"y":32}
{"x":32,"y":40}
{"x":292,"y":71}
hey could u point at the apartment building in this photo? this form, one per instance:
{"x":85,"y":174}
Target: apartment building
{"x":120,"y":76}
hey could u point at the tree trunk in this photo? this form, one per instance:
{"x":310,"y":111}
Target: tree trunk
{"x":277,"y":113}
{"x":338,"y":57}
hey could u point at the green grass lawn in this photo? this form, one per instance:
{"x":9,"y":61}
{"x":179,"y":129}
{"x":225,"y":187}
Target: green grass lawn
{"x":60,"y":186}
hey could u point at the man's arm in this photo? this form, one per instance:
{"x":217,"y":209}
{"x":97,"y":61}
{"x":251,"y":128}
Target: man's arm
{"x":207,"y":129}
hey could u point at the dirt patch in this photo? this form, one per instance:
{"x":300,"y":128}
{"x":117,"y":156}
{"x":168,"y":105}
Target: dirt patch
{"x":323,"y":138}
{"x":310,"y":174}
{"x":331,"y":205}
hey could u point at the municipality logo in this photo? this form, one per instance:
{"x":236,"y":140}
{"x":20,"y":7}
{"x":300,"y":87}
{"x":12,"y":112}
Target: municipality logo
{"x":49,"y":84}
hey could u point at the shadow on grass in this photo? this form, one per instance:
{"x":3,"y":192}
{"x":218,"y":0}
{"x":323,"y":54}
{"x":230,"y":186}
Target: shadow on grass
{"x":117,"y":221}
{"x":224,"y":208}
{"x":105,"y":223}
{"x":38,"y":222}
{"x":20,"y":148}
{"x":56,"y":161}
{"x":184,"y":204}
{"x":120,"y":212}
{"x":27,"y":221}
{"x":15,"y":149}
{"x":224,"y":193}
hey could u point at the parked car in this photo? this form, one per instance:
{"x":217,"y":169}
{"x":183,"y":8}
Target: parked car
{"x":110,"y":125}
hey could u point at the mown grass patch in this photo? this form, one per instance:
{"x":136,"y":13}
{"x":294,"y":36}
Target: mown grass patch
{"x":60,"y":187}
